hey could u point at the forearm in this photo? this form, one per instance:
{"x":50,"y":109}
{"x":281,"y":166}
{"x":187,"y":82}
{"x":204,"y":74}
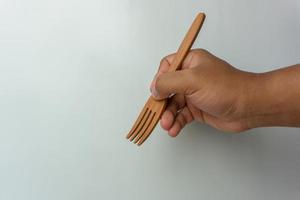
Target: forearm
{"x":274,"y":98}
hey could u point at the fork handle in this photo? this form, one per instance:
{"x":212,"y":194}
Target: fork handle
{"x":187,"y":42}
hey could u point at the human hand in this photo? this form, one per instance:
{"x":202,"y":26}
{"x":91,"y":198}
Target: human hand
{"x":206,"y":89}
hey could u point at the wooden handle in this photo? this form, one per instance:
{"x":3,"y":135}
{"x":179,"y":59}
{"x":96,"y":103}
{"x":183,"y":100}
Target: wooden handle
{"x":187,"y":42}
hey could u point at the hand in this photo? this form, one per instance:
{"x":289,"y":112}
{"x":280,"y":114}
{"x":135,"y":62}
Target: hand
{"x":206,"y":89}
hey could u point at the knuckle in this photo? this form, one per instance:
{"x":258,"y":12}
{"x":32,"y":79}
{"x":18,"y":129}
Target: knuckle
{"x":201,"y":52}
{"x":199,"y":56}
{"x":164,"y":60}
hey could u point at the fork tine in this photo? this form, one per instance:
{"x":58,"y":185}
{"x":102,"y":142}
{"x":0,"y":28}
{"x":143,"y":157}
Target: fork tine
{"x":141,"y":124}
{"x":137,"y":122}
{"x":147,"y":123}
{"x":149,"y":130}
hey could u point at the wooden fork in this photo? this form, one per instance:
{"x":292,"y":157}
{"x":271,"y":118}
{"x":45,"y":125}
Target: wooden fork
{"x":153,"y":109}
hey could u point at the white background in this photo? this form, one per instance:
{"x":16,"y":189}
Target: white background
{"x":74,"y":75}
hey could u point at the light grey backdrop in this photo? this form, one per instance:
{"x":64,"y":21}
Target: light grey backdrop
{"x":74,"y":74}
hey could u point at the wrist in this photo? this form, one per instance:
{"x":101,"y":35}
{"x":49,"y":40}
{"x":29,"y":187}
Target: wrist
{"x":258,"y":92}
{"x":270,"y":100}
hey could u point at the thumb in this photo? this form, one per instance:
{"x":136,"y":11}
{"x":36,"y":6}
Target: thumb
{"x":166,"y":84}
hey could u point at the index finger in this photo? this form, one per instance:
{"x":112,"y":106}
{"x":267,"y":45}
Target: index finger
{"x":165,"y":64}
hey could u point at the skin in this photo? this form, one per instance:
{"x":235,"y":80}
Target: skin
{"x":210,"y":90}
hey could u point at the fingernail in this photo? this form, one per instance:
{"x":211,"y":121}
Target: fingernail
{"x":152,"y":87}
{"x":154,"y":92}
